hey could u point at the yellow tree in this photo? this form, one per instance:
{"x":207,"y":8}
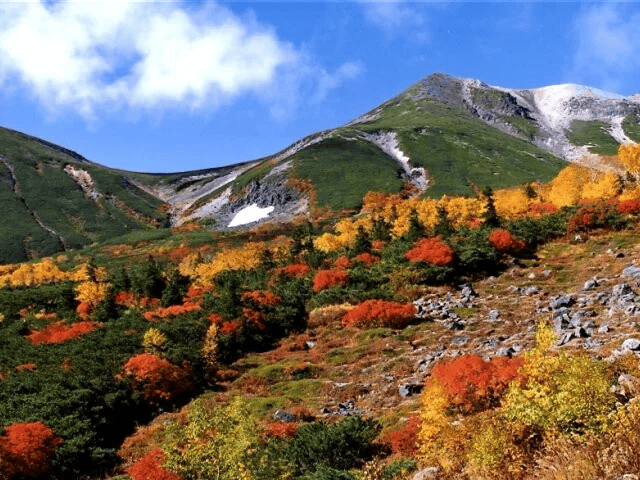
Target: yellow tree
{"x":629,"y":155}
{"x":607,"y":186}
{"x":566,"y":188}
{"x":511,"y":204}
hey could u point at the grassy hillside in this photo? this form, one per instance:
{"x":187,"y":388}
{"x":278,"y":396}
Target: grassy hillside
{"x":594,"y":135}
{"x":47,"y":211}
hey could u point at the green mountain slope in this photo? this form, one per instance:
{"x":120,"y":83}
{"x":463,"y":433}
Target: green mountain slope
{"x":47,"y":210}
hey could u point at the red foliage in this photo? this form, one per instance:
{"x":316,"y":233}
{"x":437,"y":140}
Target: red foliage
{"x":149,"y":467}
{"x":629,"y":207}
{"x":540,"y":209}
{"x":262,"y":297}
{"x":125,"y":299}
{"x":367,"y":258}
{"x":380,"y":313}
{"x":28,"y":447}
{"x":378,"y":245}
{"x":473,"y":384}
{"x":177,"y":254}
{"x":431,"y":250}
{"x":171,"y":311}
{"x":329,"y":278}
{"x":296,"y":270}
{"x":26,"y":367}
{"x":195,"y":293}
{"x":59,"y":332}
{"x":215,"y":318}
{"x":157,"y":377}
{"x":229,"y":328}
{"x":592,"y":215}
{"x":342,"y":262}
{"x":83,"y":309}
{"x":283,"y":430}
{"x":403,"y":440}
{"x":255,"y":317}
{"x":475,"y":223}
{"x":504,"y":242}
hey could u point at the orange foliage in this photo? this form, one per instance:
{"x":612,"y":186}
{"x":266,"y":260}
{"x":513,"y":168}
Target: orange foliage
{"x":378,"y":245}
{"x":380,"y":313}
{"x":28,"y":447}
{"x":504,"y":242}
{"x":296,"y":270}
{"x":329,"y":278}
{"x":255,"y":317}
{"x":83,"y":309}
{"x":474,"y":384}
{"x":149,"y":467}
{"x":367,"y":258}
{"x":540,"y":209}
{"x":282,"y":430}
{"x":171,"y":311}
{"x":262,"y":297}
{"x":629,"y":207}
{"x":26,"y":367}
{"x":229,"y":328}
{"x":59,"y":332}
{"x":215,"y":318}
{"x":157,"y":377}
{"x":431,"y":250}
{"x":403,"y":440}
{"x":342,"y":262}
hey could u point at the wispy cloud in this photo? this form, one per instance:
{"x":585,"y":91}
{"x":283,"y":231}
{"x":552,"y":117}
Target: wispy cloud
{"x":396,"y":16}
{"x":607,"y":47}
{"x":96,"y":56}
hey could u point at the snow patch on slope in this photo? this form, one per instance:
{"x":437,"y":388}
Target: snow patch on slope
{"x":250,"y":214}
{"x":388,"y":143}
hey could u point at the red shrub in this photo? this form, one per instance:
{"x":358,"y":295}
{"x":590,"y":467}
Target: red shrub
{"x":149,"y":467}
{"x":540,"y":209}
{"x":157,"y":377}
{"x":329,"y":278}
{"x":629,"y":207}
{"x":281,"y":430}
{"x":473,"y":384}
{"x":262,"y":297}
{"x":378,"y":245}
{"x":431,"y":250}
{"x":504,"y":242}
{"x":83,"y":309}
{"x":255,"y":317}
{"x":26,"y":367}
{"x":593,"y":215}
{"x":296,"y":270}
{"x":28,"y":447}
{"x":59,"y":332}
{"x":171,"y":311}
{"x":367,"y":258}
{"x":380,"y":313}
{"x":342,"y":262}
{"x":215,"y":318}
{"x":403,"y":440}
{"x":229,"y":328}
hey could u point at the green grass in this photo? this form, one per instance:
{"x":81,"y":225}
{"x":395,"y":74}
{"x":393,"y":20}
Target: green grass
{"x":47,"y":193}
{"x":594,"y":134}
{"x":631,"y":127}
{"x":459,"y":151}
{"x":527,"y":128}
{"x":342,"y":171}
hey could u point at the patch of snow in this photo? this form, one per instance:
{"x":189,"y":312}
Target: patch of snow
{"x":250,"y":214}
{"x":617,"y":131}
{"x":388,"y":143}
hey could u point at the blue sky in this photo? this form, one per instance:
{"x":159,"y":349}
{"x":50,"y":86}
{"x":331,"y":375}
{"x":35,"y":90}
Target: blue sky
{"x":172,"y":86}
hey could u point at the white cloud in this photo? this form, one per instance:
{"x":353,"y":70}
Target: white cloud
{"x":607,"y":45}
{"x":395,"y":16}
{"x":107,"y":55}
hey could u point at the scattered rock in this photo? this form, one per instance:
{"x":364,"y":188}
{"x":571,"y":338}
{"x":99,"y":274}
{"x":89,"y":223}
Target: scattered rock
{"x":629,"y":385}
{"x":590,"y":284}
{"x":530,"y":291}
{"x":631,"y":272}
{"x":561,"y":301}
{"x":631,"y":344}
{"x":459,"y":340}
{"x":493,"y":315}
{"x":409,"y":389}
{"x":431,"y":473}
{"x":284,"y":417}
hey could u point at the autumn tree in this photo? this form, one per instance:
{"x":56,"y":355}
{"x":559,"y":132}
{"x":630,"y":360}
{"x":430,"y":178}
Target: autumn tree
{"x":629,"y":155}
{"x":27,"y":449}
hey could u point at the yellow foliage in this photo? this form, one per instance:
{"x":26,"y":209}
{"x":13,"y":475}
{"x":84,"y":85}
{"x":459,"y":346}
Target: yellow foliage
{"x":153,"y":340}
{"x":31,"y":274}
{"x":629,"y":155}
{"x":92,"y":293}
{"x":434,"y":426}
{"x":245,"y":257}
{"x":460,"y":210}
{"x":189,"y":264}
{"x":566,"y":188}
{"x":511,"y":204}
{"x":608,"y":186}
{"x":210,"y":346}
{"x":347,"y":232}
